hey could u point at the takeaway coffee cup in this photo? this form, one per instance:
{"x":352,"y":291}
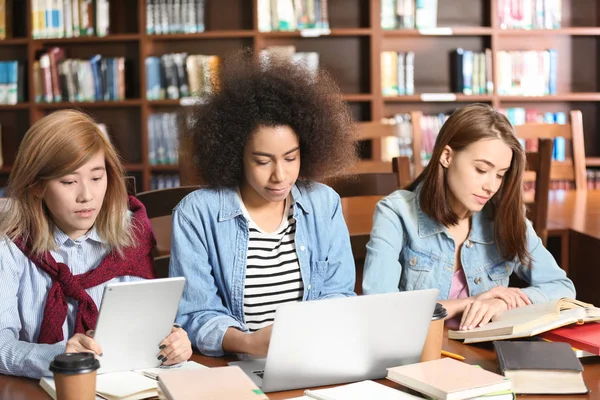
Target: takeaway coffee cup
{"x":75,"y":376}
{"x":432,"y":349}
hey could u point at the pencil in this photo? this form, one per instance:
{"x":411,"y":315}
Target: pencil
{"x":452,"y":355}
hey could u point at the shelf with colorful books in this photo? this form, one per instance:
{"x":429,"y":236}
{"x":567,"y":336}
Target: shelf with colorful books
{"x":17,"y":106}
{"x":134,"y":167}
{"x":165,"y":168}
{"x":14,"y":42}
{"x":315,"y":33}
{"x":568,"y":31}
{"x":221,"y":34}
{"x":561,"y":97}
{"x":438,"y":98}
{"x":440,"y":31}
{"x":125,"y":37}
{"x":90,"y":104}
{"x":592,"y":161}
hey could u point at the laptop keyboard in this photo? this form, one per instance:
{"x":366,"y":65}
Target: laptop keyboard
{"x":259,"y":373}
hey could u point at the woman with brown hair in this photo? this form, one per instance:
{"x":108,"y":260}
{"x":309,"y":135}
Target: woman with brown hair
{"x":461,"y":226}
{"x":68,"y":229}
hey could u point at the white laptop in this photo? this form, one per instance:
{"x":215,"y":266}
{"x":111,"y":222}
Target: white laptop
{"x":331,"y":341}
{"x":134,"y":318}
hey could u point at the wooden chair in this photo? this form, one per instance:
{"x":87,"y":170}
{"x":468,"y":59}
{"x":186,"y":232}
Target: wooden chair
{"x":130,"y":184}
{"x":159,"y":207}
{"x":378,"y":134}
{"x":540,"y":163}
{"x":573,"y":168}
{"x":364,"y":191}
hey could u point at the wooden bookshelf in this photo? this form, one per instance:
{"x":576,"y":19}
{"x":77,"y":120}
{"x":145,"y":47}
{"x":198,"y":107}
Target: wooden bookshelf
{"x":351,"y":52}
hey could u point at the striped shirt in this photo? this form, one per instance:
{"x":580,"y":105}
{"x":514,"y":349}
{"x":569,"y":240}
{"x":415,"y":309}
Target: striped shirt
{"x":23,"y":291}
{"x":272,"y":270}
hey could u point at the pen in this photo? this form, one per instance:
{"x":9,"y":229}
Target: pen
{"x":452,"y":355}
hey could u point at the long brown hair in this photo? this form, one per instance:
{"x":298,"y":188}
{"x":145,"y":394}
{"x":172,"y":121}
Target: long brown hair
{"x":465,"y":126}
{"x":54,"y":146}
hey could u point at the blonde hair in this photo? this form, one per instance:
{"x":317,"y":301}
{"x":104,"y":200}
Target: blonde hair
{"x":54,"y":146}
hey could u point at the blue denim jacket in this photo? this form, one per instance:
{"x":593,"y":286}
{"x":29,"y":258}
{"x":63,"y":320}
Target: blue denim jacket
{"x":209,"y":246}
{"x":410,"y":251}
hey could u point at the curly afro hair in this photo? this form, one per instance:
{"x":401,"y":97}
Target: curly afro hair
{"x":270,"y":92}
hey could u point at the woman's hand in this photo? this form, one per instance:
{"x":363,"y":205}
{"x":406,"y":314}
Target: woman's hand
{"x":513,"y":297}
{"x":480,"y":312}
{"x":81,"y":343}
{"x":176,"y":347}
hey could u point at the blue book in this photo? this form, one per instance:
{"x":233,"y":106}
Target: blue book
{"x":97,"y":76}
{"x":553,"y":72}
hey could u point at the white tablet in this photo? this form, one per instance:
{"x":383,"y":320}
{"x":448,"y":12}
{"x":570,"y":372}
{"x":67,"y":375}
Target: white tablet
{"x":134,"y":318}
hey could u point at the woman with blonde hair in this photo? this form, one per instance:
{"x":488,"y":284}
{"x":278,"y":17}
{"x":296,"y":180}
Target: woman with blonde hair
{"x":67,"y":230}
{"x":461,"y":226}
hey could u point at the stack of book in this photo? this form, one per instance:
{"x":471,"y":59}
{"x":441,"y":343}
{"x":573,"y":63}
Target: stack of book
{"x":69,"y":18}
{"x":175,"y":16}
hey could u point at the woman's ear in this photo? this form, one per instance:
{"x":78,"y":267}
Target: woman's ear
{"x":446,"y":157}
{"x":38,"y":190}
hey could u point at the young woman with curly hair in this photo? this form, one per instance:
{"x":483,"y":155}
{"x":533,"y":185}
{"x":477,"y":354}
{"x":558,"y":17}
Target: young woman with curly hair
{"x":263,"y":232}
{"x":461,"y":226}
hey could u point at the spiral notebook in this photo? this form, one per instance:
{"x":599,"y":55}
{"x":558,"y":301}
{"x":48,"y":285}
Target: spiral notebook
{"x":358,"y":391}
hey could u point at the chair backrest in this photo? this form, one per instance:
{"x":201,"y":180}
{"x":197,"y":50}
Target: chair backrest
{"x":573,"y":168}
{"x":130,"y":184}
{"x":159,"y":207}
{"x":384,"y":146}
{"x":364,"y":190}
{"x":540,"y":163}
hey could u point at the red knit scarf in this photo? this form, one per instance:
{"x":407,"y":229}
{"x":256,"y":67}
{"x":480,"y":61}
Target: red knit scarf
{"x":137,"y":261}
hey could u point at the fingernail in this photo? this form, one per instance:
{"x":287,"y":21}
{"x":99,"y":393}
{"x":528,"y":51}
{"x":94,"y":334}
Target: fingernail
{"x":101,"y":354}
{"x":162,"y":346}
{"x":177,"y":326}
{"x":164,"y":359}
{"x":160,"y":357}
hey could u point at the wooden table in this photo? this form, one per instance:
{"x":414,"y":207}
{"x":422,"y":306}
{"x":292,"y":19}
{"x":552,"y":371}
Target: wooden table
{"x":480,"y":354}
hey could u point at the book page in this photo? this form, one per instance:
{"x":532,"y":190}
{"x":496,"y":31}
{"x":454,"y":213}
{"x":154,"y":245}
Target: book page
{"x":123,"y":384}
{"x":359,"y":391}
{"x":525,"y":314}
{"x":566,"y":318}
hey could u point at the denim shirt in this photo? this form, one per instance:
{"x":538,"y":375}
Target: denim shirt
{"x":408,"y":250}
{"x":209,"y":246}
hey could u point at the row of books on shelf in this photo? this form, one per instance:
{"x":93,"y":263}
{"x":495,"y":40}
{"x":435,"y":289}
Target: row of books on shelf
{"x":69,"y":18}
{"x":527,"y":73}
{"x":520,"y":116}
{"x":57,"y":78}
{"x":593,"y":179}
{"x":530,"y":14}
{"x":164,"y":181}
{"x":397,"y":73}
{"x":431,"y":125}
{"x":512,"y":14}
{"x":5,"y":19}
{"x":12,"y":78}
{"x":292,"y":15}
{"x":471,"y":72}
{"x":179,"y":75}
{"x":163,"y":139}
{"x":408,"y":14}
{"x":175,"y":16}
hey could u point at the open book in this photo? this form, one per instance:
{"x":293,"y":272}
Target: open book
{"x":127,"y":385}
{"x":530,"y":321}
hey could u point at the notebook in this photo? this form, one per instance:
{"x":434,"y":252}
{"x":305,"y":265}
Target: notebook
{"x":530,"y":320}
{"x":357,"y":391}
{"x":539,"y":367}
{"x":210,"y":383}
{"x":448,"y":379}
{"x":127,"y":385}
{"x":584,"y":337}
